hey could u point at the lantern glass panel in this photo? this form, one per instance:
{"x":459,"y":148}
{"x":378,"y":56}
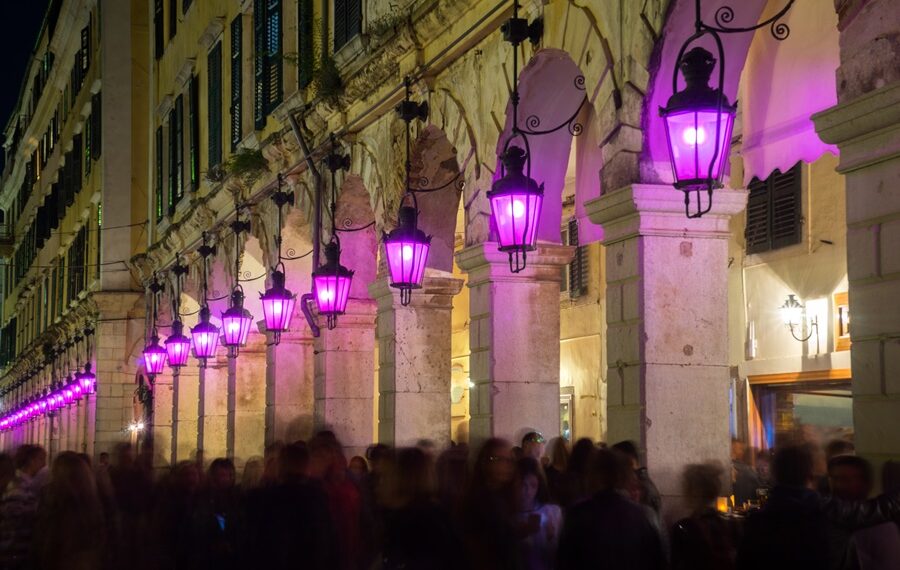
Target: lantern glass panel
{"x":516,"y":218}
{"x":692,"y":144}
{"x":178,"y":348}
{"x":406,"y":261}
{"x":206,"y":339}
{"x":332,"y":293}
{"x":235,"y":327}
{"x":277,"y":311}
{"x":154,"y":359}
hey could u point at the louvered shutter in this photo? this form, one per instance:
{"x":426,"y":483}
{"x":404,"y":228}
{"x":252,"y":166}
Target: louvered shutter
{"x":178,"y":136}
{"x":786,"y":207}
{"x":87,"y":145}
{"x":756,"y":233}
{"x":274,"y":59}
{"x":305,"y":42}
{"x":96,"y":112}
{"x":214,"y":107}
{"x":160,"y":178}
{"x":173,"y":18}
{"x":57,"y":207}
{"x":69,"y":172}
{"x":578,"y":266}
{"x":340,"y":24}
{"x":76,"y":161}
{"x":236,"y":81}
{"x":158,"y":33}
{"x":354,"y":19}
{"x":86,"y":48}
{"x":194,"y":131}
{"x":172,"y":157}
{"x":259,"y":63}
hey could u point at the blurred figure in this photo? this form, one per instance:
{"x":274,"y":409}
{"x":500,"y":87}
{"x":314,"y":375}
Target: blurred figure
{"x":216,"y":523}
{"x":288,"y":524}
{"x":103,"y":460}
{"x":557,"y":471}
{"x":744,"y":480}
{"x":71,"y":530}
{"x":18,"y":508}
{"x":251,"y":478}
{"x":7,"y":471}
{"x":533,"y":445}
{"x":764,"y":468}
{"x":648,"y":493}
{"x":489,"y":505}
{"x":833,"y":448}
{"x":878,"y":547}
{"x":452,"y":472}
{"x":608,"y":530}
{"x":704,"y":540}
{"x":576,"y":487}
{"x":358,"y":469}
{"x":173,"y":514}
{"x":418,"y":534}
{"x":539,"y":522}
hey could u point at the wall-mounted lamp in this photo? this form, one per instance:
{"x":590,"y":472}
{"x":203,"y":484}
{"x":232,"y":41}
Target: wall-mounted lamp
{"x":792,"y":311}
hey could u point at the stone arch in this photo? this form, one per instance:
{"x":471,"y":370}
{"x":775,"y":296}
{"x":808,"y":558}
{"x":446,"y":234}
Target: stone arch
{"x":364,"y":162}
{"x":359,"y":242}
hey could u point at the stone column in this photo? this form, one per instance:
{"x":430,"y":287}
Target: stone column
{"x":514,"y":341}
{"x":119,"y":340}
{"x":185,"y":402}
{"x":866,"y":128}
{"x":414,"y":361}
{"x":163,"y":427}
{"x":345,"y":377}
{"x":289,"y":387}
{"x":212,"y":409}
{"x":247,"y":401}
{"x":53,"y":447}
{"x":667,"y":326}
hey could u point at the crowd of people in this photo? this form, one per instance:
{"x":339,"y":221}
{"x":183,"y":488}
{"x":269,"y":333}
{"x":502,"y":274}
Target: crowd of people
{"x":527,"y":507}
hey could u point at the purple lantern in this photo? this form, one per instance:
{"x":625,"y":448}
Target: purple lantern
{"x":154,"y":357}
{"x":178,"y":346}
{"x":236,"y":322}
{"x":205,"y":336}
{"x":68,"y":395}
{"x":516,"y":201}
{"x":278,"y":305}
{"x":332,"y":284}
{"x":698,"y":123}
{"x":88,"y":380}
{"x":406,"y":249}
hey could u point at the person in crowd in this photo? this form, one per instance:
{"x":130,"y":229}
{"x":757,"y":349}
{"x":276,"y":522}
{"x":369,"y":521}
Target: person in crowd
{"x":216,"y":520}
{"x":488,"y":509}
{"x":452,"y":477}
{"x":832,"y":449}
{"x":539,"y":521}
{"x":608,"y":530}
{"x":358,"y":469}
{"x":18,"y":508}
{"x":764,"y":468}
{"x":533,"y":446}
{"x":576,"y":487}
{"x":705,"y":540}
{"x":744,"y":480}
{"x":7,"y":471}
{"x":252,"y":476}
{"x":878,"y":547}
{"x":417,"y":532}
{"x":288,"y":522}
{"x":648,"y":493}
{"x":71,"y":529}
{"x":556,"y":470}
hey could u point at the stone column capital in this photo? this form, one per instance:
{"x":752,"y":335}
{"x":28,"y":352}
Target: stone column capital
{"x":867,"y":128}
{"x":485,"y":262}
{"x":658,"y":210}
{"x":437,"y":292}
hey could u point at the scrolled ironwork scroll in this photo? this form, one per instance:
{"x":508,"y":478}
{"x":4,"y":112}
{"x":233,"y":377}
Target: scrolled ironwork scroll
{"x":725,"y":16}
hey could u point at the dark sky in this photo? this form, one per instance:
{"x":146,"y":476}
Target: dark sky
{"x":23,"y":20}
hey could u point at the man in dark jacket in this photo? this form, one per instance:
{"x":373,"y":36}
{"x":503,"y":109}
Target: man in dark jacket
{"x":609,"y":530}
{"x":794,"y":530}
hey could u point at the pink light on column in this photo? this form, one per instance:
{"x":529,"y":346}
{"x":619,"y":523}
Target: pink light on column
{"x":205,"y":336}
{"x":178,"y":346}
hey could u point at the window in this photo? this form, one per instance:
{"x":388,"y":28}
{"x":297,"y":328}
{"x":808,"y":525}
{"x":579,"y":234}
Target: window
{"x":158,"y":32}
{"x":305,"y":49}
{"x":159,"y":174}
{"x":86,"y":48}
{"x":87,"y":145}
{"x":236,"y":79}
{"x":173,"y":18}
{"x":96,"y":114}
{"x":194,"y":131}
{"x":267,"y":59}
{"x":185,"y":4}
{"x":774,"y":211}
{"x":347,"y":21}
{"x":99,"y":238}
{"x":214,"y":105}
{"x":176,"y":154}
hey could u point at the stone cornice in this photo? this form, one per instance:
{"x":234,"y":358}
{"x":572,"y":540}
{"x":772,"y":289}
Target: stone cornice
{"x":211,"y":33}
{"x":186,"y":72}
{"x":658,"y":210}
{"x":485,"y":262}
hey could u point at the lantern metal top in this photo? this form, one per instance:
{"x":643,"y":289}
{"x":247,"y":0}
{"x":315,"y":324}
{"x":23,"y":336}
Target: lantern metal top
{"x":332,"y":266}
{"x":407,"y":229}
{"x":696,"y":67}
{"x":514,"y":179}
{"x":278,"y":289}
{"x":237,"y":310}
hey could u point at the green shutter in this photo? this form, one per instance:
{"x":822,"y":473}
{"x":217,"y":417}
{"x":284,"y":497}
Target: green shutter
{"x":305,"y":46}
{"x":236,"y":79}
{"x":172,"y":157}
{"x":159,"y":174}
{"x":96,"y":113}
{"x":274,"y":60}
{"x":340,"y":24}
{"x":259,"y":64}
{"x":178,"y":163}
{"x":194,"y":131}
{"x":158,"y":32}
{"x":578,"y":267}
{"x":214,"y":107}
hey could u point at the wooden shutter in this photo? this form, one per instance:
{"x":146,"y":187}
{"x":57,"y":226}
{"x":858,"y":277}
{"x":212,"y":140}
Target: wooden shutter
{"x":214,"y":107}
{"x":86,"y":48}
{"x":274,"y":59}
{"x":69,"y":173}
{"x":76,"y":161}
{"x":786,"y":207}
{"x":305,"y":47}
{"x":96,"y":113}
{"x":158,"y":32}
{"x":236,"y":81}
{"x":178,"y":135}
{"x":55,"y":202}
{"x":173,"y":18}
{"x":340,"y":24}
{"x":578,"y":269}
{"x":259,"y":63}
{"x":354,"y":18}
{"x":172,"y":157}
{"x":194,"y":131}
{"x":185,"y":4}
{"x":159,"y":174}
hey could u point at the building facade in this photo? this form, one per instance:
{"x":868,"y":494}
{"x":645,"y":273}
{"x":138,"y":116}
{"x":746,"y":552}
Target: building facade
{"x":629,"y":322}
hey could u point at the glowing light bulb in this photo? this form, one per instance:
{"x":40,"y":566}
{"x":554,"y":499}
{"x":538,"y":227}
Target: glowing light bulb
{"x":694,"y":136}
{"x":516,"y":209}
{"x":407,"y":252}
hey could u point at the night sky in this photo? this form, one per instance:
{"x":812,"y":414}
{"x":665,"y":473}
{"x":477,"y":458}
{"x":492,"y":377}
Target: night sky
{"x":23,"y":21}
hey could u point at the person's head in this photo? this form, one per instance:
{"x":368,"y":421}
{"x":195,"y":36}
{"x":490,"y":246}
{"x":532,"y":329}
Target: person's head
{"x":581,"y":455}
{"x":293,"y":462}
{"x":71,"y":478}
{"x":608,"y":470}
{"x":358,"y":467}
{"x":837,"y":447}
{"x":186,"y":476}
{"x":630,"y":451}
{"x":559,"y":453}
{"x":7,"y":470}
{"x":738,"y":451}
{"x":764,"y":463}
{"x":253,"y":473}
{"x":495,"y":465}
{"x":326,"y":456}
{"x":850,"y":477}
{"x":793,"y":466}
{"x":702,"y":485}
{"x":377,"y":455}
{"x":103,"y":460}
{"x":222,"y":475}
{"x":409,"y":479}
{"x":30,"y":459}
{"x":533,"y":445}
{"x":531,"y":486}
